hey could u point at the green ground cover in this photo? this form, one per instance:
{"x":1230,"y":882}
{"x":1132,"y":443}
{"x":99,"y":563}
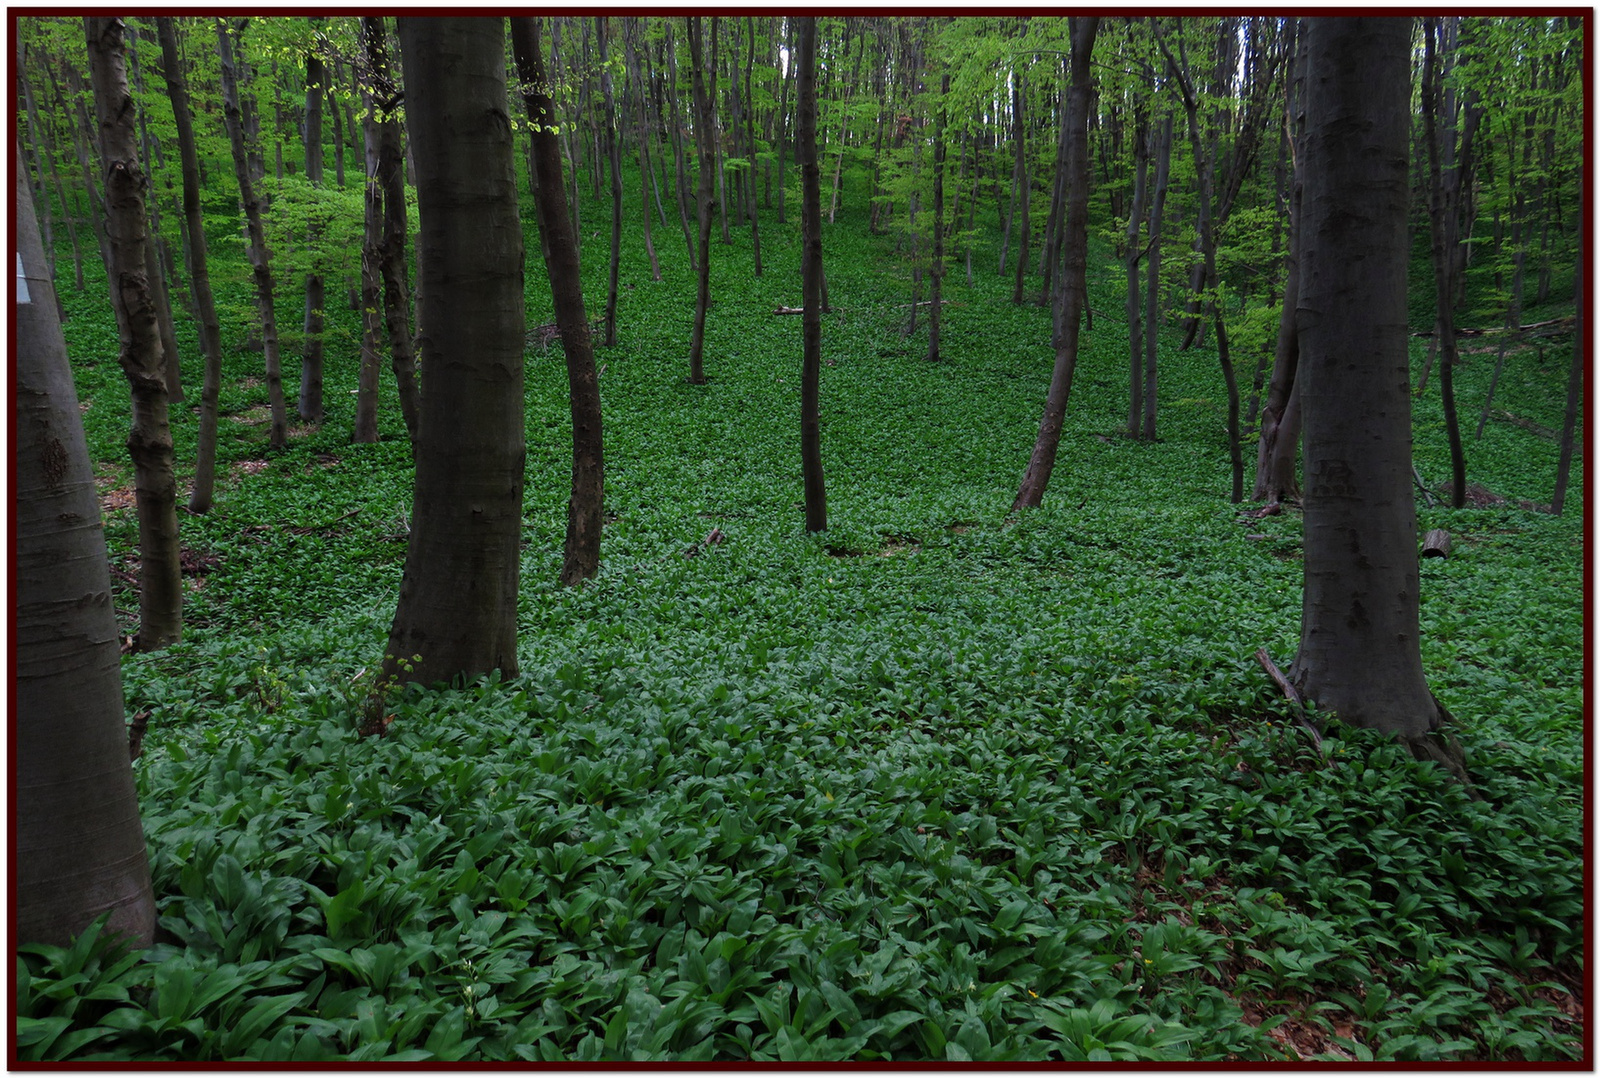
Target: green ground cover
{"x":936,"y":784}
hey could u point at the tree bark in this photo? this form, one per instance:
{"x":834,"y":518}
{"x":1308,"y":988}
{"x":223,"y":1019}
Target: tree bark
{"x":1582,"y":348}
{"x":372,"y":317}
{"x":1069,"y":286}
{"x":390,"y":167}
{"x":1141,"y":170}
{"x":704,"y":131}
{"x":310,"y":403}
{"x":260,"y":258}
{"x":750,"y":137}
{"x":585,"y":508}
{"x":936,"y":266}
{"x":79,"y":847}
{"x":1152,"y":299}
{"x":647,"y":172}
{"x":614,"y":153}
{"x":816,"y":497}
{"x":457,"y":614}
{"x":205,"y":468}
{"x":139,"y":354}
{"x":1360,"y":653}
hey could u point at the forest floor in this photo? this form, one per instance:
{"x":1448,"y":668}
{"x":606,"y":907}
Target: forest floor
{"x":938,"y":784}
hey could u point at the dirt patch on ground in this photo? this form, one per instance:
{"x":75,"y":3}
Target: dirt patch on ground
{"x":241,"y":468}
{"x":1479,"y":496}
{"x":252,"y":417}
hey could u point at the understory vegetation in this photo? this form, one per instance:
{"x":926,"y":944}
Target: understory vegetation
{"x":936,"y":784}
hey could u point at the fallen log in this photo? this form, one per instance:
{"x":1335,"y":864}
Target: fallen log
{"x":1436,"y":544}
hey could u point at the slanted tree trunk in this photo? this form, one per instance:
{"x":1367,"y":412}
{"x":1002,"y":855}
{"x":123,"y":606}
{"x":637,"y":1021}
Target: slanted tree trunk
{"x":390,"y":167}
{"x":458,"y":598}
{"x":139,"y":354}
{"x":704,"y":131}
{"x":1069,"y":286}
{"x":205,"y":468}
{"x":936,"y":267}
{"x":585,"y":517}
{"x":79,"y":849}
{"x":816,"y":496}
{"x":1360,"y":652}
{"x":260,"y":258}
{"x":310,"y":404}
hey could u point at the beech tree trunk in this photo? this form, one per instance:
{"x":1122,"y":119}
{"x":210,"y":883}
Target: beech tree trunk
{"x":1069,"y":284}
{"x":79,"y":848}
{"x":205,"y":468}
{"x":139,"y":352}
{"x":585,"y":510}
{"x":260,"y":259}
{"x":457,"y":614}
{"x":1360,"y":654}
{"x":366,"y":424}
{"x":816,"y":496}
{"x":1152,"y":298}
{"x":647,"y":173}
{"x":1141,"y":170}
{"x":310,"y":404}
{"x":614,"y":153}
{"x":705,"y":133}
{"x":391,"y":177}
{"x":750,"y":137}
{"x":936,"y":267}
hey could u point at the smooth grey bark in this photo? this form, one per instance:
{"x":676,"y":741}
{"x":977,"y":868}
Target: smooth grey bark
{"x":140,"y":352}
{"x":79,"y":849}
{"x":1360,"y":653}
{"x":816,"y":497}
{"x":205,"y":468}
{"x":585,"y":508}
{"x":457,"y":613}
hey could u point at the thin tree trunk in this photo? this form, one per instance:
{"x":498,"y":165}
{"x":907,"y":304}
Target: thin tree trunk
{"x":614,"y":152}
{"x":260,"y":259}
{"x":1438,"y":111}
{"x":1152,"y":299}
{"x":647,"y":173}
{"x":205,"y":467}
{"x":816,"y":497}
{"x":705,"y":133}
{"x":310,"y":404}
{"x":457,"y":613}
{"x":372,"y":315}
{"x":750,"y":137}
{"x":676,"y":125}
{"x":1024,"y":190}
{"x":78,"y":846}
{"x":585,"y":518}
{"x":783,"y":119}
{"x":1069,"y":283}
{"x":1581,"y":349}
{"x":1141,"y":170}
{"x":936,"y":267}
{"x":139,"y":354}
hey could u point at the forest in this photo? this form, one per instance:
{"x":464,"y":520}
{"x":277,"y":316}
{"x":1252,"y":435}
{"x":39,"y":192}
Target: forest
{"x":1079,"y":556}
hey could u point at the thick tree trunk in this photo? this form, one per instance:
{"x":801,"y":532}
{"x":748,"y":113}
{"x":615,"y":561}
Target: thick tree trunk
{"x":585,"y":517}
{"x":1069,"y":289}
{"x":310,"y":403}
{"x":140,"y":355}
{"x":457,"y":614}
{"x":260,"y":259}
{"x":390,"y":167}
{"x":79,"y":849}
{"x":1360,"y":653}
{"x":205,"y":467}
{"x":816,"y":497}
{"x":705,"y":133}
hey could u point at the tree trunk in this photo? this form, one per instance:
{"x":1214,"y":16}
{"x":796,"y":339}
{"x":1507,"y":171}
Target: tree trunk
{"x":1024,"y":191}
{"x":1070,"y":282}
{"x":647,"y":172}
{"x":614,"y":153}
{"x":367,"y":372}
{"x":139,"y":354}
{"x":310,"y":404}
{"x":750,"y":137}
{"x":704,"y":131}
{"x":260,"y":258}
{"x":457,"y":614}
{"x":816,"y":497}
{"x":676,"y":126}
{"x":1141,"y":170}
{"x":46,"y":153}
{"x":392,"y":242}
{"x":1581,"y":349}
{"x":1360,"y":653}
{"x":936,"y":267}
{"x":205,"y":467}
{"x":78,"y":847}
{"x":1152,"y":299}
{"x":585,"y":517}
{"x":783,"y":119}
